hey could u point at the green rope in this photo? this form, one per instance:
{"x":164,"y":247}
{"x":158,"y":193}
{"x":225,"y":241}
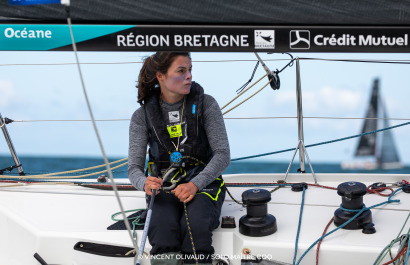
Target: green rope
{"x":388,"y":248}
{"x":135,"y":220}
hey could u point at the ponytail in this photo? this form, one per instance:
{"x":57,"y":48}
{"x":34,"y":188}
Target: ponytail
{"x":147,"y":79}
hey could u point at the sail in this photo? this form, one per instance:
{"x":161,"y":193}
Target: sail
{"x":367,"y":143}
{"x":388,"y":151}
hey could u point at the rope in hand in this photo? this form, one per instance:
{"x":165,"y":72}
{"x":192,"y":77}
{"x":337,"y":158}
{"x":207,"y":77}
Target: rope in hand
{"x":185,"y":208}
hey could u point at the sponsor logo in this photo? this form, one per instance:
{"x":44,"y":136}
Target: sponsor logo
{"x":264,"y":39}
{"x":299,"y":39}
{"x":173,"y":116}
{"x":174,"y":131}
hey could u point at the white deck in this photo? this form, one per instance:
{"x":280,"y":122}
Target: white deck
{"x":50,"y":219}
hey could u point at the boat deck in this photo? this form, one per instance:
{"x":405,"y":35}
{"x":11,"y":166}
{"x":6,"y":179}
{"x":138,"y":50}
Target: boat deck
{"x":51,"y":219}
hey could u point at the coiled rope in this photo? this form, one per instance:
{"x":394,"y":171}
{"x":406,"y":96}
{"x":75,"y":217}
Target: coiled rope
{"x":388,"y":248}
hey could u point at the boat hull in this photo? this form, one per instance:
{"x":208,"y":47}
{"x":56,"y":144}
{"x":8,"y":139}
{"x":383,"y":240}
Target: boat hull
{"x":51,"y":219}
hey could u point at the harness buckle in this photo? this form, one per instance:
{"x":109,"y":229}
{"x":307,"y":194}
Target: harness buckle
{"x":176,"y":160}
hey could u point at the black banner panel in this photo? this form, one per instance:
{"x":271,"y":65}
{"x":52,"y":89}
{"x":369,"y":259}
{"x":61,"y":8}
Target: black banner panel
{"x":205,"y":38}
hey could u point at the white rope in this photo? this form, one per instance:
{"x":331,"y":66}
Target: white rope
{"x":237,"y":105}
{"x":114,"y":186}
{"x":54,"y":175}
{"x":257,"y":81}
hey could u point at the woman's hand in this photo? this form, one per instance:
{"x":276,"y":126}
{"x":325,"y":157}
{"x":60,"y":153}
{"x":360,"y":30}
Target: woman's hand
{"x":152,"y":183}
{"x":185,"y":192}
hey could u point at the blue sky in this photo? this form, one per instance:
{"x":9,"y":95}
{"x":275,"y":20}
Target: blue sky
{"x":52,"y":91}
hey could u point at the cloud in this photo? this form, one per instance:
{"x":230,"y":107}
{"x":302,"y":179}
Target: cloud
{"x":324,"y":101}
{"x":332,"y":101}
{"x":7,"y":93}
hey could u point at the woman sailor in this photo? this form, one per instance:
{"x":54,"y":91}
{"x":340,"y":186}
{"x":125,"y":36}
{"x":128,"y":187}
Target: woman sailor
{"x":187,"y":140}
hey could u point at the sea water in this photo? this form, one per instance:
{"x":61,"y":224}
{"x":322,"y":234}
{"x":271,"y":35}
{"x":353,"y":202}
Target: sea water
{"x":33,"y":165}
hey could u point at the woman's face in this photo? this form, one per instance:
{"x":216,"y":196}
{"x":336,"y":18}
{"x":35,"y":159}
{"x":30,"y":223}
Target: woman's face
{"x":177,"y":81}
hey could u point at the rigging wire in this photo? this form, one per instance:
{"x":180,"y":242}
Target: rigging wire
{"x":386,"y":61}
{"x":322,"y":143}
{"x":236,"y":118}
{"x":357,"y":60}
{"x":306,"y":146}
{"x":114,"y":186}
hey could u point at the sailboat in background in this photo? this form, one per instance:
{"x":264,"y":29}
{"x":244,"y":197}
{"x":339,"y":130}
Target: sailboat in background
{"x":377,"y":150}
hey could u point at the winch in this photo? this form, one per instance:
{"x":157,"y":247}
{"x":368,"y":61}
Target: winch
{"x":257,"y":222}
{"x":352,"y":202}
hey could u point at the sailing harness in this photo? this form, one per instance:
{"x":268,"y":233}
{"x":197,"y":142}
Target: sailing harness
{"x":180,"y":147}
{"x":184,"y":135}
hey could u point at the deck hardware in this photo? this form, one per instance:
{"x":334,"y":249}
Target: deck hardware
{"x":228,"y":222}
{"x":102,"y":178}
{"x":406,"y":188}
{"x":299,"y":186}
{"x":352,"y":202}
{"x":39,"y":259}
{"x":378,"y":185}
{"x":301,"y":146}
{"x":368,"y":229}
{"x":272,"y":75}
{"x":257,"y":222}
{"x":11,"y":147}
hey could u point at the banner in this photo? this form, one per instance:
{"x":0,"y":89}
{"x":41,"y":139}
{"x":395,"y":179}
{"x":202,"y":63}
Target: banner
{"x":55,"y":37}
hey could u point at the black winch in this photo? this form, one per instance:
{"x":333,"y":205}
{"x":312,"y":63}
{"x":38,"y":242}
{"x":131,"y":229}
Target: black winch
{"x":257,"y":221}
{"x":352,"y":199}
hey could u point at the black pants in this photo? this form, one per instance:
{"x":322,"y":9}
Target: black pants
{"x":168,"y":231}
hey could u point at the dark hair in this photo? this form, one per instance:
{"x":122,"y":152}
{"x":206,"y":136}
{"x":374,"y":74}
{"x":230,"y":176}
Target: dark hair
{"x":158,"y":62}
